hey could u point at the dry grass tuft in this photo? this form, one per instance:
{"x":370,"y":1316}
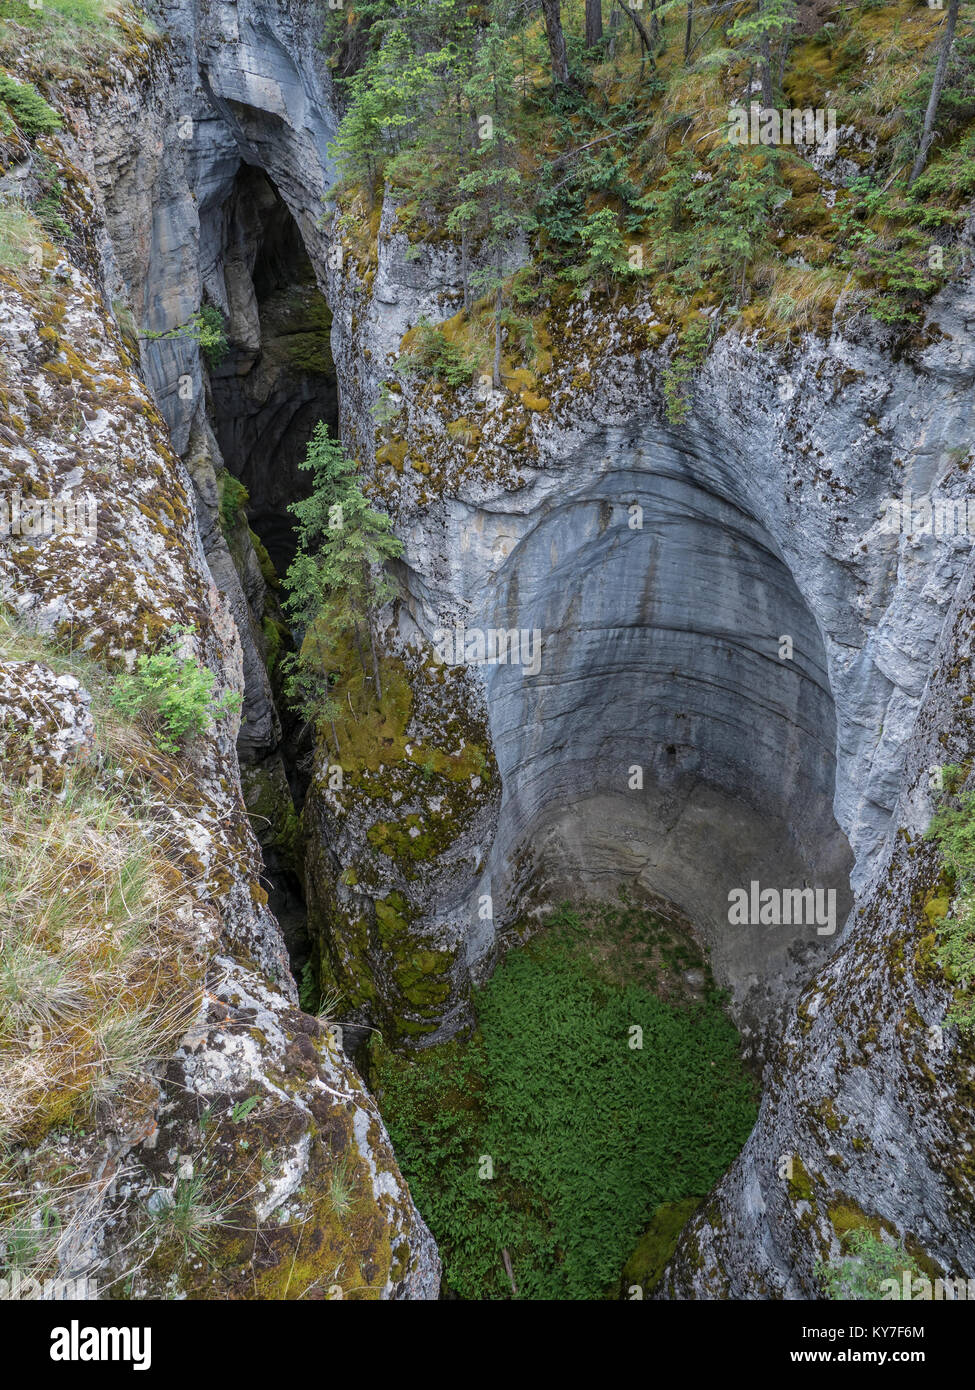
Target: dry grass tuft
{"x":97,"y":978}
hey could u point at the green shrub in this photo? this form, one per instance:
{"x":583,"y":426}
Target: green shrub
{"x":172,"y":693}
{"x":206,"y":325}
{"x":607,"y":254}
{"x":211,"y":334}
{"x":689,"y":355}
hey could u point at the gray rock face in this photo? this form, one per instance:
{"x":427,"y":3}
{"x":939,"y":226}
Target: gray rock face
{"x":661,"y":644}
{"x":762,"y":519}
{"x":866,"y":1111}
{"x":89,"y":427}
{"x":237,"y":84}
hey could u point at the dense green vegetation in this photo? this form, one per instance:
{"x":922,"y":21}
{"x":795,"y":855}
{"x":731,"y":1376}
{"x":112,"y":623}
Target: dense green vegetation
{"x":25,"y":105}
{"x":550,"y":1134}
{"x":619,"y":173}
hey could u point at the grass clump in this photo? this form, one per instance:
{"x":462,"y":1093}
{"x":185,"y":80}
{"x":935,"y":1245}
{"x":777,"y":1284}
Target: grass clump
{"x":99,"y":976}
{"x":189,"y":1218}
{"x":550,"y":1136}
{"x":64,"y":34}
{"x":96,"y":983}
{"x":21,"y":236}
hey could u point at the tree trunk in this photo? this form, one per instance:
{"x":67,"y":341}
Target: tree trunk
{"x":614,"y":31}
{"x":768,"y":96}
{"x":689,"y":29}
{"x":496,"y":376}
{"x":641,"y":29}
{"x":783,"y":59}
{"x":931,"y":113}
{"x":556,"y":41}
{"x":594,"y":22}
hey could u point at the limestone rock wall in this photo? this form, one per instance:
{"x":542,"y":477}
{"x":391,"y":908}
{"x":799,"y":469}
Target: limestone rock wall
{"x":762,"y":516}
{"x":79,"y":416}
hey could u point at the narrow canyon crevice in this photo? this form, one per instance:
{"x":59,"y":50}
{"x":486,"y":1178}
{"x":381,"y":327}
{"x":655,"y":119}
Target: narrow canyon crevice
{"x":277,"y":380}
{"x":273,"y":383}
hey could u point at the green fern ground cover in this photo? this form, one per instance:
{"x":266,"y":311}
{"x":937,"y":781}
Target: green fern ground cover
{"x":595,"y":1095}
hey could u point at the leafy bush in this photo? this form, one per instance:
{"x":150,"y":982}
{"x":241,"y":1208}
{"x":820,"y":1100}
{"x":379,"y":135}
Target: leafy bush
{"x":172,"y":693}
{"x":588,"y":1136}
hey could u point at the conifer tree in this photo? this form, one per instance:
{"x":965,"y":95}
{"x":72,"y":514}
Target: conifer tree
{"x":338,"y":579}
{"x":767,"y":25}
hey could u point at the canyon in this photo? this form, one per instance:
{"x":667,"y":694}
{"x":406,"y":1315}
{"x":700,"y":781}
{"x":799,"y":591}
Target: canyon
{"x":664,"y":743}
